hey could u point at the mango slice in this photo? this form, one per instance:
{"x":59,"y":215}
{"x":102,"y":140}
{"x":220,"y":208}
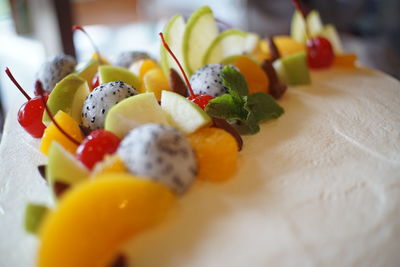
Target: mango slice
{"x":95,"y":218}
{"x":52,"y":133}
{"x":345,"y":61}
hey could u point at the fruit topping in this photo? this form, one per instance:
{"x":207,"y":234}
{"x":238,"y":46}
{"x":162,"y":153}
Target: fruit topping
{"x":93,"y":220}
{"x":155,"y":81}
{"x":34,"y":215}
{"x":186,"y":115}
{"x":293,"y":69}
{"x":133,"y":112}
{"x":213,"y":145}
{"x":224,"y":125}
{"x":160,"y":153}
{"x":31,"y":112}
{"x":54,"y":70}
{"x":345,"y":61}
{"x":208,"y":81}
{"x":68,"y":96}
{"x":101,"y":99}
{"x":127,"y":58}
{"x":109,"y":73}
{"x":273,"y":49}
{"x":200,"y":100}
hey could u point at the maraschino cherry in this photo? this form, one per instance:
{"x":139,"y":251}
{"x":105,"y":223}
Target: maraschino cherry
{"x":319,"y":50}
{"x":199,"y":99}
{"x":30,"y":114}
{"x":95,"y":146}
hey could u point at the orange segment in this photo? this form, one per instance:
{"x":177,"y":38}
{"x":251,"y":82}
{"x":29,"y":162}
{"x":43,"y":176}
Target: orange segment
{"x":93,"y":220}
{"x":52,"y":133}
{"x":141,"y":67}
{"x":216,"y":153}
{"x":286,"y":46}
{"x":257,"y":80}
{"x":345,"y":61}
{"x":155,"y":81}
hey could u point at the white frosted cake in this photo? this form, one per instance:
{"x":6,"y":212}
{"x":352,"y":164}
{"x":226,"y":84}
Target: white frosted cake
{"x":320,"y":186}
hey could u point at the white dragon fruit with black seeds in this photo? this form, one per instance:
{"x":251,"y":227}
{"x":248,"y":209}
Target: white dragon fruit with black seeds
{"x":101,"y":99}
{"x":127,"y":58}
{"x":161,"y":153}
{"x":54,"y":70}
{"x":207,"y":80}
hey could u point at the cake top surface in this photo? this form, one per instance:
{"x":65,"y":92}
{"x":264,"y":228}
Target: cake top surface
{"x":319,"y":186}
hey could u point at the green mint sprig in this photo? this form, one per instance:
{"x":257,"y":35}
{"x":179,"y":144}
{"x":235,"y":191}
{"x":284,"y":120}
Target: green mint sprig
{"x":238,"y":107}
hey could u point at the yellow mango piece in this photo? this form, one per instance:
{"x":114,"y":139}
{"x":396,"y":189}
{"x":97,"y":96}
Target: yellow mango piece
{"x":110,"y":163}
{"x":345,"y":61}
{"x":155,"y":81}
{"x":256,"y":78}
{"x":286,"y":46}
{"x":141,"y":67}
{"x":103,"y":60}
{"x":95,"y":218}
{"x":69,"y":125}
{"x":213,"y":145}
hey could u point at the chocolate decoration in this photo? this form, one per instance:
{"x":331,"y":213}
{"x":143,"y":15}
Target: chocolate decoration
{"x":273,"y":49}
{"x":84,"y":130}
{"x":223,"y":124}
{"x":120,"y":261}
{"x":276,"y":88}
{"x":176,"y":83}
{"x":42,"y":171}
{"x":60,"y":188}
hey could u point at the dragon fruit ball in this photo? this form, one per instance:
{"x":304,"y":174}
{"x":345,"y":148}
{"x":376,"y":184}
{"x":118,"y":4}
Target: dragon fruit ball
{"x":207,"y":80}
{"x":101,"y":99}
{"x":160,"y":153}
{"x":127,"y":58}
{"x":54,"y":70}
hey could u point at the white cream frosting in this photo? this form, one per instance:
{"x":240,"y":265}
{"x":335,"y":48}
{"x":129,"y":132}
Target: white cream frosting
{"x":320,"y":186}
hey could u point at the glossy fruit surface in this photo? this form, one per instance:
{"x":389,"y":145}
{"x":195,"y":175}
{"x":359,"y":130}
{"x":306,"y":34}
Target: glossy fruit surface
{"x":30,"y":117}
{"x":213,"y":145}
{"x":52,"y":133}
{"x":93,"y":220}
{"x":319,"y":53}
{"x":155,"y":81}
{"x":95,"y":146}
{"x":345,"y":61}
{"x":200,"y":100}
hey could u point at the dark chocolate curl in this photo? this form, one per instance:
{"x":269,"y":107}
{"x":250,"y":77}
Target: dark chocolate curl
{"x":120,"y":261}
{"x":176,"y":83}
{"x":273,"y":49}
{"x":276,"y":88}
{"x":42,"y":171}
{"x":60,"y":188}
{"x":223,"y":124}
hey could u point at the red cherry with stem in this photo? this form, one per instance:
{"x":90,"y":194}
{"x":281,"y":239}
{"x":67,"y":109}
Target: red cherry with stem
{"x":30,"y":114}
{"x":200,"y":100}
{"x":95,"y":146}
{"x":319,"y":50}
{"x":319,"y":53}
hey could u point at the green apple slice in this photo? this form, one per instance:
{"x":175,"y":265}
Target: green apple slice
{"x":329,"y":32}
{"x":134,"y":111}
{"x":228,"y":43}
{"x":62,"y":166}
{"x":293,"y":69}
{"x":183,"y":113}
{"x":201,"y":29}
{"x":68,"y":95}
{"x":34,"y":214}
{"x":88,"y":70}
{"x":173,"y":34}
{"x":298,"y":30}
{"x":112,"y":73}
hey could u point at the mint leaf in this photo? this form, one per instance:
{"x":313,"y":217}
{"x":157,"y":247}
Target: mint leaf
{"x":235,"y":82}
{"x":263,"y":107}
{"x":225,"y":107}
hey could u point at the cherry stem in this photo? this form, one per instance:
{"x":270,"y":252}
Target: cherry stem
{"x":96,"y":50}
{"x":39,"y":90}
{"x":177,"y":62}
{"x":9,"y":74}
{"x":303,"y":12}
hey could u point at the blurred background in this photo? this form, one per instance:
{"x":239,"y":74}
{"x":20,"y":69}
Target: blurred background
{"x":32,"y":30}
